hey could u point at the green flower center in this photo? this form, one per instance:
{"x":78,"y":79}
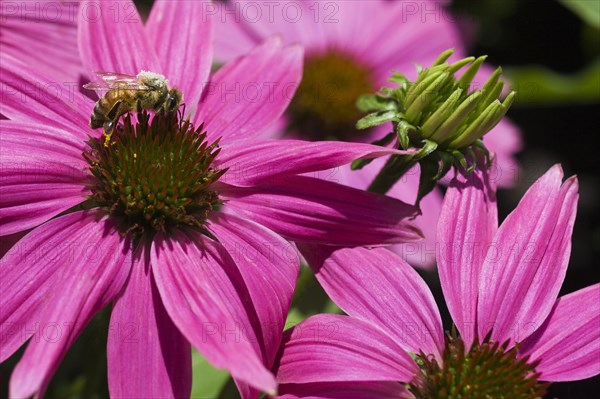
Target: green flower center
{"x":487,"y":370}
{"x":324,"y":105}
{"x":154,"y":176}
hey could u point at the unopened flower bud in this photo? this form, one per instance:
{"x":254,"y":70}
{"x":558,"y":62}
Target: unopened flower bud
{"x":437,"y":114}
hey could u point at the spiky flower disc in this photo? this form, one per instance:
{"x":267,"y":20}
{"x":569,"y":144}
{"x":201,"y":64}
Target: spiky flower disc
{"x":323,"y":107}
{"x":487,"y":371}
{"x":155,"y":176}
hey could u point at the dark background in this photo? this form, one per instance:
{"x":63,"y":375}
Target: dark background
{"x":528,"y":32}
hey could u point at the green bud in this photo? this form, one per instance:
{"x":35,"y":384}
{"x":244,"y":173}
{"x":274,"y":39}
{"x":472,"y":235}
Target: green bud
{"x":437,"y":110}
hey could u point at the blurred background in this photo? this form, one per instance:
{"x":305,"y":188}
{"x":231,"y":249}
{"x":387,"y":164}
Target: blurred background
{"x":550,"y":49}
{"x":551,"y":52}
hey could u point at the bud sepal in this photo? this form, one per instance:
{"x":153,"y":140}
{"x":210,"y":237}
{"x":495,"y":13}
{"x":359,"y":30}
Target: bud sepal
{"x":439,"y":116}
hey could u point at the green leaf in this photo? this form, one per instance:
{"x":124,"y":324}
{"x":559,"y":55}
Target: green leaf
{"x":429,"y":170}
{"x":375,"y":119}
{"x":374,"y":102}
{"x":207,"y":381}
{"x":588,"y":10}
{"x":428,"y":147}
{"x":401,"y":80}
{"x":403,"y":130}
{"x":446,"y":162}
{"x":536,"y":85}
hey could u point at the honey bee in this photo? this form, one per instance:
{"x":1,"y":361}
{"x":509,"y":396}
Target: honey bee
{"x":125,"y":93}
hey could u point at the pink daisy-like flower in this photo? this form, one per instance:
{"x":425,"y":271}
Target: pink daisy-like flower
{"x":179,"y":224}
{"x":43,"y":34}
{"x":352,"y":47}
{"x":501,"y":286}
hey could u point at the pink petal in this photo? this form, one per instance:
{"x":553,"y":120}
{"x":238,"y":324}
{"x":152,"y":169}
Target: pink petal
{"x":422,"y":253}
{"x":378,"y":287}
{"x":505,"y":141}
{"x":194,"y":277}
{"x":468,"y":222}
{"x":344,"y":390}
{"x":41,"y":176}
{"x":29,"y":96}
{"x":313,"y":210}
{"x":330,"y":348}
{"x":568,"y":343}
{"x":112,"y":38}
{"x":232,"y":38}
{"x":43,"y":35}
{"x":408,"y":34}
{"x":147,"y":355}
{"x":269,"y":266}
{"x":526,"y":264}
{"x":250,"y":93}
{"x":241,"y":25}
{"x":250,"y":162}
{"x":30,"y":270}
{"x":76,"y":265}
{"x":182,"y":33}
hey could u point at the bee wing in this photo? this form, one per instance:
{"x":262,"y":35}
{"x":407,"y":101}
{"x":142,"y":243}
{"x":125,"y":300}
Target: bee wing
{"x":112,"y":80}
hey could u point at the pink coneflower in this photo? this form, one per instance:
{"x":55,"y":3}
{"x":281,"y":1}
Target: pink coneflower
{"x":179,"y":223}
{"x":352,"y":47}
{"x":501,"y":286}
{"x":42,"y":34}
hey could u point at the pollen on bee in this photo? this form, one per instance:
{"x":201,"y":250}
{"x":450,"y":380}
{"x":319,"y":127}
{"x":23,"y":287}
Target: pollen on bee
{"x":107,"y":137}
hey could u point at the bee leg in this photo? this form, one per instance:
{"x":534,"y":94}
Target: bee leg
{"x":114,"y":113}
{"x":109,"y":128}
{"x":138,"y":108}
{"x":181,"y":116}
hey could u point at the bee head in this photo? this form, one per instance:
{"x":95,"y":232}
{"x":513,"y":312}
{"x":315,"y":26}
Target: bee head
{"x":173,"y":100}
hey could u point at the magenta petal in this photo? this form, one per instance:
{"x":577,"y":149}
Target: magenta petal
{"x":330,"y":348}
{"x":422,"y":253}
{"x":568,"y":343}
{"x":252,"y":162}
{"x":345,"y":390}
{"x":232,"y":35}
{"x":505,"y":141}
{"x":378,"y":287}
{"x":467,"y":224}
{"x":41,"y":176}
{"x":415,"y":40}
{"x":30,"y":270}
{"x":112,"y":38}
{"x":79,"y":263}
{"x":269,"y":266}
{"x":192,"y":274}
{"x":182,"y":33}
{"x":31,"y":97}
{"x":526,"y":264}
{"x":147,"y":355}
{"x":250,"y":93}
{"x":312,"y":210}
{"x":42,"y":34}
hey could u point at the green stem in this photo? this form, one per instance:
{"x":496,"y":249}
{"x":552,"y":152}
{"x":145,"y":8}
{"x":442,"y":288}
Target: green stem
{"x":392,"y":171}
